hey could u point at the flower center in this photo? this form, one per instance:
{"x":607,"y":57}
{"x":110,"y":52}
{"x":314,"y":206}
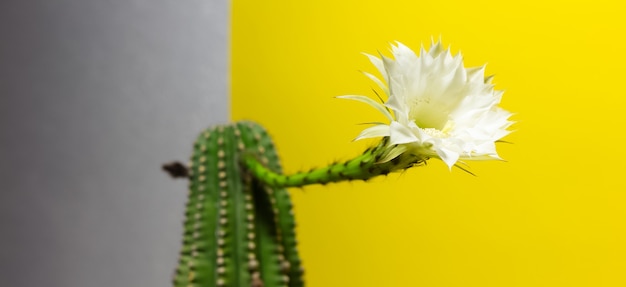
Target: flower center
{"x":435,"y":133}
{"x":443,"y":133}
{"x":427,"y":113}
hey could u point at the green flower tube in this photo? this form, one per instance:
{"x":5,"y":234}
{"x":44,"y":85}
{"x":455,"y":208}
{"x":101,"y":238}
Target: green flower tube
{"x":378,"y":160}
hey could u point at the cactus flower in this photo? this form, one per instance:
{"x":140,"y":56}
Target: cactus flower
{"x":440,"y":108}
{"x":436,"y":108}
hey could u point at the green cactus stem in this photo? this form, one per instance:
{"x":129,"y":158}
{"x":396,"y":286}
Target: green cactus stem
{"x":378,"y":160}
{"x":238,"y":231}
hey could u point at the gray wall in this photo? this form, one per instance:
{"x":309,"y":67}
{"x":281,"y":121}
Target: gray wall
{"x":94,"y":96}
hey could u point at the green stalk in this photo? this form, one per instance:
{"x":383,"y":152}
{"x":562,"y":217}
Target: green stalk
{"x":379,"y":160}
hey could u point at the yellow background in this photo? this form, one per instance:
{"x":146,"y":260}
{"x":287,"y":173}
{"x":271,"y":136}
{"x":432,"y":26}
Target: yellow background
{"x":553,"y":215}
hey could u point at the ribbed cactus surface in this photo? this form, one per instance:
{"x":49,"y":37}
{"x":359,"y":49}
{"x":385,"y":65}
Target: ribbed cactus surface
{"x":238,"y":231}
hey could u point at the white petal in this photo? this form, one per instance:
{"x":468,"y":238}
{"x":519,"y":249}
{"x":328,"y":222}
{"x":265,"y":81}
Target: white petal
{"x":373,"y":132}
{"x":476,"y":74}
{"x":378,"y":82}
{"x":389,"y":67}
{"x":378,"y":63}
{"x":435,"y":49}
{"x":484,"y":157}
{"x":370,"y":102}
{"x":397,"y":105}
{"x":425,"y":58}
{"x":448,"y":156}
{"x":400,"y":134}
{"x":402,"y":53}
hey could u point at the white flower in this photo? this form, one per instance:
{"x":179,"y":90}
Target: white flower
{"x":440,"y":108}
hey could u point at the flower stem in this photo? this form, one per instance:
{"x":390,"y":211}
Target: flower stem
{"x":363,"y":167}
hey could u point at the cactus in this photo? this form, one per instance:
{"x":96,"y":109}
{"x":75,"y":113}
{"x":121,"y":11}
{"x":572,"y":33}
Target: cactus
{"x":239,"y":227}
{"x":238,"y":231}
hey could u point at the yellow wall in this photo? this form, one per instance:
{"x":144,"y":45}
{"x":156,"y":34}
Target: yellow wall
{"x":553,"y":215}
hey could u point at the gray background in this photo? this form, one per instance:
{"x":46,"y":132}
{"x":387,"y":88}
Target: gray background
{"x":94,"y":96}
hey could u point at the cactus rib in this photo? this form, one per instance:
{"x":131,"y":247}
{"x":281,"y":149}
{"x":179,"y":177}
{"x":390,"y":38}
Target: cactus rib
{"x":282,"y":208}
